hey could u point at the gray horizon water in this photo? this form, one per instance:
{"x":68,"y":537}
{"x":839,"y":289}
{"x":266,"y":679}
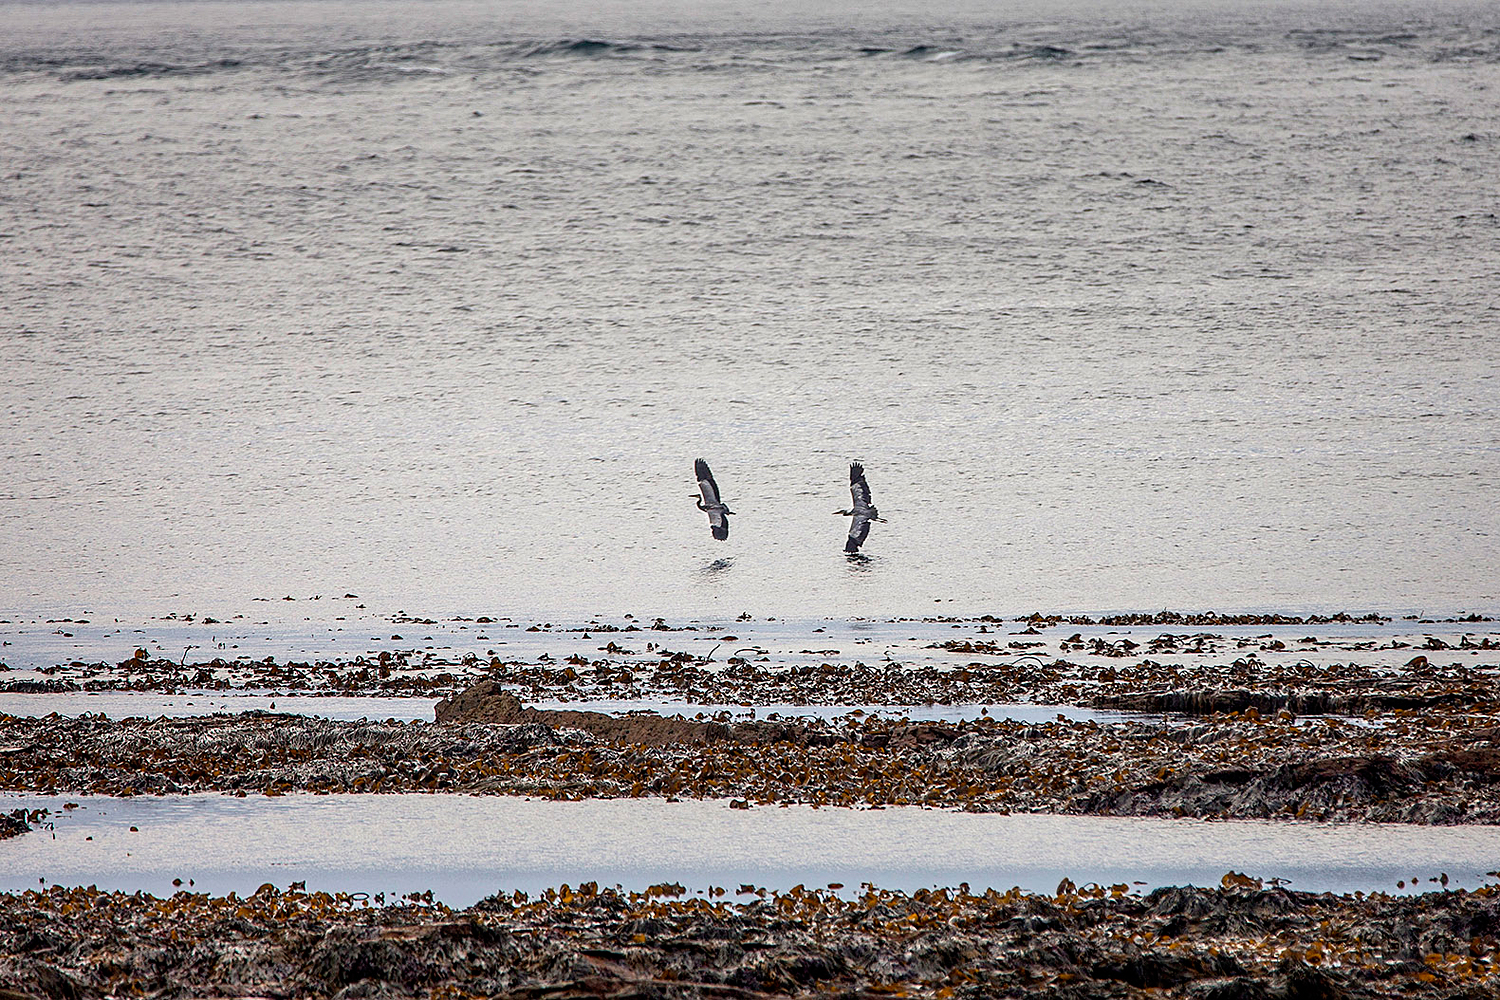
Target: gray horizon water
{"x":464,"y":848}
{"x":1124,"y":306}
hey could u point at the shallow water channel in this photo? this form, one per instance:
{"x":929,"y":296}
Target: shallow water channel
{"x":154,"y":705}
{"x":464,"y":848}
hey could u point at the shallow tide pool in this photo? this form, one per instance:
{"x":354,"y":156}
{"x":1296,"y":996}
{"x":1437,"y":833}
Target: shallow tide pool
{"x":464,"y":848}
{"x":153,"y":705}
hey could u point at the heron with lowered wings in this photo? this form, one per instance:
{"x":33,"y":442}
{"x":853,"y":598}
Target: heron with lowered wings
{"x":710,"y":502}
{"x":863,"y":511}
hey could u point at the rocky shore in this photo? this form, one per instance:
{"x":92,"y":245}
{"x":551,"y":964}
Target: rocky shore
{"x":1239,"y":942}
{"x":1427,"y":767}
{"x":1167,"y":662}
{"x":1217,"y":724}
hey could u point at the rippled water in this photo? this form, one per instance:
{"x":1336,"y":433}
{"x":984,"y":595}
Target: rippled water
{"x":464,"y":848}
{"x":1122,"y":305}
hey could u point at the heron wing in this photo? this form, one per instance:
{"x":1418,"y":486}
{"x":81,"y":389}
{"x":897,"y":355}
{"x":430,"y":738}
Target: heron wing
{"x":858,"y":488}
{"x":718,"y":523}
{"x":859,"y":530}
{"x":706,"y":484}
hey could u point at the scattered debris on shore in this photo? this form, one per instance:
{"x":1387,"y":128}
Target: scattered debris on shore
{"x":1243,"y":940}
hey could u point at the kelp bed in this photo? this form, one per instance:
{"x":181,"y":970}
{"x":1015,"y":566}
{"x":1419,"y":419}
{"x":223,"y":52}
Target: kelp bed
{"x":1408,"y":730}
{"x":1242,"y":940}
{"x":1437,"y":766}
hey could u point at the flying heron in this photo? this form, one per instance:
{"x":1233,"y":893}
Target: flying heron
{"x":863,"y":512}
{"x":718,"y":511}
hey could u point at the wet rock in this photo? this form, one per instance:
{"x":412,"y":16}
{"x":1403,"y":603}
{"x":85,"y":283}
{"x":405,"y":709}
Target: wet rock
{"x":791,"y":969}
{"x":1192,"y":903}
{"x":921,"y":734}
{"x":939,"y":954}
{"x":489,"y":702}
{"x":345,"y":958}
{"x":1304,"y":982}
{"x":484,"y":702}
{"x":372,"y":989}
{"x":1155,"y":969}
{"x":758,"y":732}
{"x":1180,"y":944}
{"x":1238,"y":988}
{"x":54,"y":983}
{"x":1377,"y":774}
{"x":1482,"y":763}
{"x":38,"y":686}
{"x":13,"y":824}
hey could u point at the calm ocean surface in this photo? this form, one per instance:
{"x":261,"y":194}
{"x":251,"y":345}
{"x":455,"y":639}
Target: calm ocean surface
{"x":1123,"y":306}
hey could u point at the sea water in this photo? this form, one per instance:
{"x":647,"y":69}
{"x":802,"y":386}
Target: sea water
{"x":1122,"y":305}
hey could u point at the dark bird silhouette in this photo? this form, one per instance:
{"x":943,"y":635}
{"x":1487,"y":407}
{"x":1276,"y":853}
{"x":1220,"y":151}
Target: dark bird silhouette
{"x":718,"y":512}
{"x":863,"y":512}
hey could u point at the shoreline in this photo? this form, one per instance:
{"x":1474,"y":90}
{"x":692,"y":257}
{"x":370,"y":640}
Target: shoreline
{"x":1292,"y":724}
{"x":1341,"y":718}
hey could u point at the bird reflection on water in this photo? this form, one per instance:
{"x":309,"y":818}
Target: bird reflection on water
{"x":717,"y":568}
{"x":861,"y":563}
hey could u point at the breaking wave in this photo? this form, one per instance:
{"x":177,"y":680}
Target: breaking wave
{"x":1061,"y":44}
{"x":147,"y":69}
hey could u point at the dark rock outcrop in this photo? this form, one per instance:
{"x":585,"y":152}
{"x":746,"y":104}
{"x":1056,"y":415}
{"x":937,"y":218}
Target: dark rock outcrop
{"x":489,"y":702}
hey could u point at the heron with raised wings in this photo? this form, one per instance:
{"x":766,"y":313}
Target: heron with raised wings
{"x":863,"y":512}
{"x":718,"y":511}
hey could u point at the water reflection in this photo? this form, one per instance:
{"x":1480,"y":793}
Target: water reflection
{"x":717,"y":569}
